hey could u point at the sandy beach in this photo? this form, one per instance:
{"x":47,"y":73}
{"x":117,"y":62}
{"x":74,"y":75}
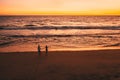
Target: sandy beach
{"x":61,"y":65}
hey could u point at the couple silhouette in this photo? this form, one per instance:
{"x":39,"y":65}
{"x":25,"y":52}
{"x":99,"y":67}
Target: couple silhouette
{"x":39,"y":49}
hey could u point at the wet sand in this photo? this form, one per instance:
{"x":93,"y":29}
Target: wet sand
{"x":61,"y":65}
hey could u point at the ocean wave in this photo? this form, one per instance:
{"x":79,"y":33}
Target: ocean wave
{"x":32,"y":27}
{"x":6,"y":43}
{"x":20,"y":39}
{"x":112,"y":45}
{"x":102,"y":35}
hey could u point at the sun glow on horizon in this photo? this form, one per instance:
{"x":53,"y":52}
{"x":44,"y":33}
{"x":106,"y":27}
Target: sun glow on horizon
{"x":59,"y":7}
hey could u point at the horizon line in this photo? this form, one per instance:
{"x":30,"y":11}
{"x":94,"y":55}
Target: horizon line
{"x":57,"y":15}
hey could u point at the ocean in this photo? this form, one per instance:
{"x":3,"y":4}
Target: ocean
{"x":24,"y":33}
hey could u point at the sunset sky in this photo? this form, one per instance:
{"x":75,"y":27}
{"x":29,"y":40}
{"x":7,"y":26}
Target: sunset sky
{"x":59,"y":7}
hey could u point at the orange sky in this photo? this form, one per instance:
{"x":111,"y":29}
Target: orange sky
{"x":59,"y":7}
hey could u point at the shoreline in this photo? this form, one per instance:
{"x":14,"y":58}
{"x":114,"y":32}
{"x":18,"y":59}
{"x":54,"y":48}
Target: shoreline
{"x":60,"y":51}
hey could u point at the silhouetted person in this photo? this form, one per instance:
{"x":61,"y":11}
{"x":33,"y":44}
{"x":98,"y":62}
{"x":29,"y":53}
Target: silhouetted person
{"x":39,"y":50}
{"x":46,"y":50}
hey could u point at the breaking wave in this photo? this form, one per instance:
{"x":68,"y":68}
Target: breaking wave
{"x":60,"y":27}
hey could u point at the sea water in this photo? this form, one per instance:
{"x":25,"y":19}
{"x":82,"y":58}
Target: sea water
{"x":24,"y":33}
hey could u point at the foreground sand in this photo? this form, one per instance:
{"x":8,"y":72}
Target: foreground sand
{"x":76,"y":65}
